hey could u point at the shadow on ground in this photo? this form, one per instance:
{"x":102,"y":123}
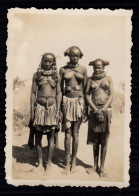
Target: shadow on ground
{"x":25,"y":155}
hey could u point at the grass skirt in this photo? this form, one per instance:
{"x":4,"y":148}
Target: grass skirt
{"x":73,"y":110}
{"x":96,"y":128}
{"x":45,"y":119}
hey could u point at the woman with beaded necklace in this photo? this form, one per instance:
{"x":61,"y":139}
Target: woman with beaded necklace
{"x":99,"y":95}
{"x":73,"y":81}
{"x":45,"y":106}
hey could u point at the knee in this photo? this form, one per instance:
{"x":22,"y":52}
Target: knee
{"x":51,"y":138}
{"x":96,"y":146}
{"x":38,"y":145}
{"x":56,"y":135}
{"x":52,"y":134}
{"x":75,"y":136}
{"x":67,"y":136}
{"x":104,"y":146}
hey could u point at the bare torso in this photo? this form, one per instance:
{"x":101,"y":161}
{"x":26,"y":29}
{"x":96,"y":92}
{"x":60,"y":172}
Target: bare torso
{"x":44,"y":87}
{"x":102,"y":90}
{"x":74,"y":78}
{"x":46,"y":90}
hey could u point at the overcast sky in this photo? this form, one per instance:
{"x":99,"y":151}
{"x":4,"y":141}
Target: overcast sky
{"x":97,"y":37}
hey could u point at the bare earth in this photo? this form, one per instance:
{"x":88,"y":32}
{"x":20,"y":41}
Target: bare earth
{"x":25,"y":160}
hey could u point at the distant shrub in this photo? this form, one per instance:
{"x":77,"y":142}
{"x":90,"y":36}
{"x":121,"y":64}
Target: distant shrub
{"x":20,"y":119}
{"x":21,"y":104}
{"x":17,"y":83}
{"x":118,"y":104}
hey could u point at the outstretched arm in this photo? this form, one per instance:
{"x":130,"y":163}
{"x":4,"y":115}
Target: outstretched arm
{"x":33,"y":96}
{"x":111,"y":94}
{"x":88,"y":97}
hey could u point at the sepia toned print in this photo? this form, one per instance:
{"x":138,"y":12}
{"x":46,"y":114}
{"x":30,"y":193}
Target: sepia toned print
{"x":68,"y":97}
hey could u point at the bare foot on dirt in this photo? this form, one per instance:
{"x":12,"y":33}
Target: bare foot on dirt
{"x":48,"y":169}
{"x":102,"y":173}
{"x":66,"y":170}
{"x":91,"y":170}
{"x":73,"y":167}
{"x":74,"y":170}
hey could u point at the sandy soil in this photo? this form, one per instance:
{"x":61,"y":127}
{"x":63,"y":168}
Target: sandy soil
{"x":25,"y":160}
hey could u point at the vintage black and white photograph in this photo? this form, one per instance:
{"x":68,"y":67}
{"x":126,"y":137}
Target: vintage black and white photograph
{"x":68,"y":97}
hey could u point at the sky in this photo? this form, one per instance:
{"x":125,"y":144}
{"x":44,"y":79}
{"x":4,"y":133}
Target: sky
{"x":32,"y":35}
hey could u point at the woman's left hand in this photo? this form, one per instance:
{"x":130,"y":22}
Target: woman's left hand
{"x":103,"y":109}
{"x":59,"y":115}
{"x":85,"y":115}
{"x":100,"y":115}
{"x":85,"y":118}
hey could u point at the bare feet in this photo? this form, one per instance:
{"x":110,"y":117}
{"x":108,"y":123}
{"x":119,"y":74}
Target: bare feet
{"x":67,"y":168}
{"x":91,"y":170}
{"x":102,"y":173}
{"x":48,"y":169}
{"x":73,"y":166}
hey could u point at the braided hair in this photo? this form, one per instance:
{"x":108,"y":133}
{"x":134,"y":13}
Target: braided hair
{"x":53,"y":72}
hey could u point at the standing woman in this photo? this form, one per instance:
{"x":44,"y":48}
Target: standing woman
{"x":99,"y":95}
{"x":73,"y":82}
{"x":45,"y":105}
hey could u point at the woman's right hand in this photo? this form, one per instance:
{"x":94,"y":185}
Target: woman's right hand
{"x":99,"y":115}
{"x":59,"y":116}
{"x":98,"y":111}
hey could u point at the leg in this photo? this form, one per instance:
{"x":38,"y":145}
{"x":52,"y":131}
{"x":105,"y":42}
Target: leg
{"x":56,"y":140}
{"x":50,"y":150}
{"x":67,"y":144}
{"x":38,"y":138}
{"x":95,"y":154}
{"x":75,"y":141}
{"x":67,"y":141}
{"x":56,"y":147}
{"x":31,"y":138}
{"x":103,"y":153}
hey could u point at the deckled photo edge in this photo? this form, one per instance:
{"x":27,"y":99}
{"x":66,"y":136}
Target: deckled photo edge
{"x":9,"y":108}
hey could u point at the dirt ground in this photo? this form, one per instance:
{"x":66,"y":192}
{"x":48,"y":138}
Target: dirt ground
{"x":25,"y":160}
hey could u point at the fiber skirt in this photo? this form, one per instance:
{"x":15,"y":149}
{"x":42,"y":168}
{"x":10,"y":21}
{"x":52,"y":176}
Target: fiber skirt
{"x":73,"y":110}
{"x":46,"y":119}
{"x":96,"y":128}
